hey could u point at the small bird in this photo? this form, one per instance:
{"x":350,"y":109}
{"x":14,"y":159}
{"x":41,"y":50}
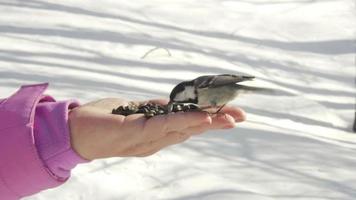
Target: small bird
{"x":209,"y":91}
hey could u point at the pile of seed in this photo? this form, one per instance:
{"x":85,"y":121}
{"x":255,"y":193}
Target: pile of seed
{"x":151,"y":109}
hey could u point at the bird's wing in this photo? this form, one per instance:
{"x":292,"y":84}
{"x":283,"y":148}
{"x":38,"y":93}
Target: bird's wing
{"x":219,"y":80}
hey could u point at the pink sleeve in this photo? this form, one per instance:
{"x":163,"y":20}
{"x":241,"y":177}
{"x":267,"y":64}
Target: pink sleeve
{"x":35,"y":151}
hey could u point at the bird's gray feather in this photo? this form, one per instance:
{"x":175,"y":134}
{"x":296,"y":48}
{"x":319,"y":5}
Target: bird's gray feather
{"x":220,"y":80}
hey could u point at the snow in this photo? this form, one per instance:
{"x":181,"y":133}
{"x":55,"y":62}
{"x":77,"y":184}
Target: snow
{"x":297,"y":142}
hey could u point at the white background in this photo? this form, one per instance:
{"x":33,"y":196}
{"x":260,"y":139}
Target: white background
{"x":297,"y":142}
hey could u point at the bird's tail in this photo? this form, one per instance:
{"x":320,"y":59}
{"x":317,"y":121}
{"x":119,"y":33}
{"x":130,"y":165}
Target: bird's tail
{"x":241,"y":78}
{"x":259,"y":90}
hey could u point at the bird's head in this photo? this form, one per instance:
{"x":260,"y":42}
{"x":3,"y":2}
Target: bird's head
{"x":184,"y":92}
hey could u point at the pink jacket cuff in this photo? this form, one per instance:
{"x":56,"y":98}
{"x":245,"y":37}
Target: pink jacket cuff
{"x":35,"y":151}
{"x":52,"y":136}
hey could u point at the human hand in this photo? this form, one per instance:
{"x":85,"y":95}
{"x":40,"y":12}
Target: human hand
{"x":96,"y":133}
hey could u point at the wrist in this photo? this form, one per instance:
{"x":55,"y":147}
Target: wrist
{"x":79,"y":142}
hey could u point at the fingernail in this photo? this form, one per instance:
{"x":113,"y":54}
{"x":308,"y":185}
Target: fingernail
{"x":241,"y":117}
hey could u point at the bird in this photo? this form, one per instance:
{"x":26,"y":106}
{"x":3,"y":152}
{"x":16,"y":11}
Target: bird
{"x":209,"y":91}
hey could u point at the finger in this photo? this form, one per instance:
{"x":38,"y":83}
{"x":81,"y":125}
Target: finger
{"x":168,"y":140}
{"x":172,"y":138}
{"x":159,"y":126}
{"x":197,"y":130}
{"x":222,"y":121}
{"x":182,"y":120}
{"x":237,"y":113}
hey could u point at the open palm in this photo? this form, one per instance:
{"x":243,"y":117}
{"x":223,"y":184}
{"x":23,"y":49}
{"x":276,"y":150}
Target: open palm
{"x":96,"y":133}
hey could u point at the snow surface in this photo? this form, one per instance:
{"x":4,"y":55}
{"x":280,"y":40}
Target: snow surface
{"x":297,"y":142}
